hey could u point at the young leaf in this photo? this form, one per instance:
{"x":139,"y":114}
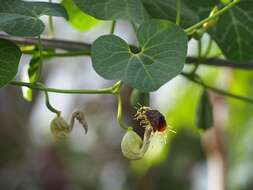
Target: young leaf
{"x":10,"y":56}
{"x":162,"y":56}
{"x":77,"y":18}
{"x":132,"y":10}
{"x":33,"y":74}
{"x":233,"y":32}
{"x":22,"y":18}
{"x":204,"y":112}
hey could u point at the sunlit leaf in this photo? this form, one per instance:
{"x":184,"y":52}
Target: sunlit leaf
{"x":132,"y":10}
{"x":77,"y":18}
{"x":162,"y":56}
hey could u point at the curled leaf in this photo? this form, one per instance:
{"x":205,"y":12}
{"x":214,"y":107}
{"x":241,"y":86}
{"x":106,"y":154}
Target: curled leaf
{"x":204,"y":112}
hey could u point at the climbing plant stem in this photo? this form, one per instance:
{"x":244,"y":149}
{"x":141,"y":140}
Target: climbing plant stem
{"x":110,"y":90}
{"x":119,"y":116}
{"x":113,"y":27}
{"x":191,"y":29}
{"x":179,"y":8}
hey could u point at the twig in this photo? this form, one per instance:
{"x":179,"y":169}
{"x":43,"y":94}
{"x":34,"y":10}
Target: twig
{"x":216,"y":90}
{"x":80,"y":48}
{"x":48,"y":43}
{"x":220,"y":63}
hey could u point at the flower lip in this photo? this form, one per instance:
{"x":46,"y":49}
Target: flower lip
{"x":156,"y":120}
{"x":149,"y":117}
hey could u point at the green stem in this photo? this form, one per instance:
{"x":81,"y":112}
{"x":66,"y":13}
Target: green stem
{"x":191,"y":29}
{"x":178,"y":18}
{"x":119,"y":116}
{"x":116,"y":88}
{"x":216,"y":90}
{"x":49,"y":106}
{"x":113,"y":27}
{"x":40,"y":48}
{"x":50,"y":24}
{"x":110,"y":90}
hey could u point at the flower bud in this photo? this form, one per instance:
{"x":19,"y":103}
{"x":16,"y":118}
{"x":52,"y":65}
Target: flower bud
{"x":59,"y":127}
{"x":132,"y":146}
{"x":211,"y":23}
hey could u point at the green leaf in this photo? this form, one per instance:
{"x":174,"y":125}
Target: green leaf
{"x":132,"y":10}
{"x":22,"y":18}
{"x":167,"y":9}
{"x":34,"y":68}
{"x":201,"y":7}
{"x":204,"y":112}
{"x":10,"y":55}
{"x":162,"y":56}
{"x":233,"y":33}
{"x":77,"y":18}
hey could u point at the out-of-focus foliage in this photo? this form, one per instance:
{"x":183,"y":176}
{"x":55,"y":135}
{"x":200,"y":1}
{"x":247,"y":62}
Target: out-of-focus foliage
{"x":78,"y":19}
{"x":240,"y":129}
{"x":205,"y":112}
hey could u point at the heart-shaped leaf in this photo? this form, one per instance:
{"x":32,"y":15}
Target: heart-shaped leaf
{"x":114,"y":9}
{"x":162,"y":56}
{"x":9,"y":59}
{"x":22,"y":18}
{"x":233,"y":32}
